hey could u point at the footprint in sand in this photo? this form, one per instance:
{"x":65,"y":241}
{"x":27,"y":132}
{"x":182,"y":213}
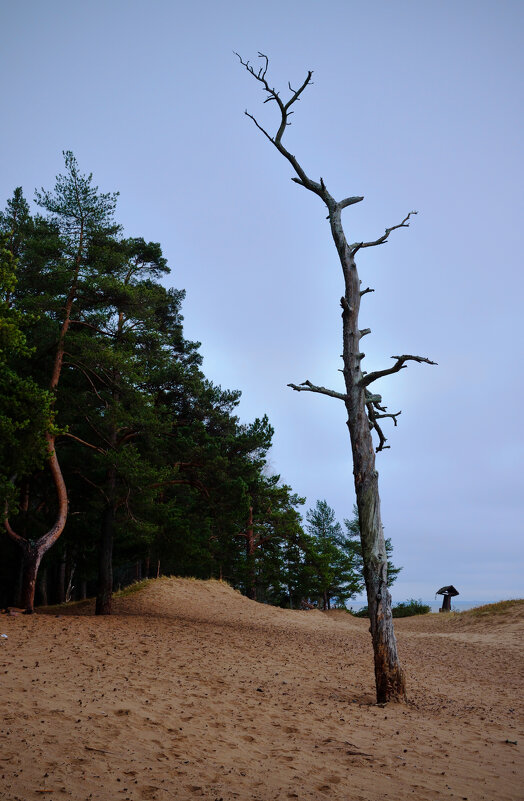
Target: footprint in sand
{"x":148,"y":793}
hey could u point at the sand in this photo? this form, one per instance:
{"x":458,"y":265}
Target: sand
{"x":192,"y":691}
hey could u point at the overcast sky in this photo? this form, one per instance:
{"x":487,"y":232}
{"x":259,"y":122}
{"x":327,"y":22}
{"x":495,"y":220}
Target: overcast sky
{"x":415,"y":105}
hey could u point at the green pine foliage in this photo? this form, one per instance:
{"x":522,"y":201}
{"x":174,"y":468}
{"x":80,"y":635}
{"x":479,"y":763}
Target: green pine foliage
{"x":159,"y":469}
{"x":25,"y":409}
{"x":162,"y":476}
{"x":352,"y":546}
{"x":331,"y":565}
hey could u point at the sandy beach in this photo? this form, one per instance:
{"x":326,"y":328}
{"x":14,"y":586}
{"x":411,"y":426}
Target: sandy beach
{"x":190,"y":690}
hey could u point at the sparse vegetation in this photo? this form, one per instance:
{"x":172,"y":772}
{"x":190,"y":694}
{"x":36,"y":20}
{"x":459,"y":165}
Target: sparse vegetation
{"x":494,"y":609}
{"x":410,"y":608}
{"x":402,"y":609}
{"x":136,"y":586}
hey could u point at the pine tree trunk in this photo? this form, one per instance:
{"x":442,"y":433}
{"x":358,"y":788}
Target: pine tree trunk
{"x":19,"y":583}
{"x":105,"y":565}
{"x":42,"y":586}
{"x":32,"y":552}
{"x":31,"y":562}
{"x":62,"y":578}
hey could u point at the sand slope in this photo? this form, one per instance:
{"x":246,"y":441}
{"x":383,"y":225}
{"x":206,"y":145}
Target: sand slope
{"x":192,"y":691}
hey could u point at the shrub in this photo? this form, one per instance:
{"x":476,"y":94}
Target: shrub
{"x":402,"y":609}
{"x":409,"y":608}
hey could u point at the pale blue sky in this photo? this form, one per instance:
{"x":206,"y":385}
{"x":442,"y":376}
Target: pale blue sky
{"x":415,"y":105}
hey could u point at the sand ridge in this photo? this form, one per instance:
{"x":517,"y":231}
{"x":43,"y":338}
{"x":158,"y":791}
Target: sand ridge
{"x":191,"y":690}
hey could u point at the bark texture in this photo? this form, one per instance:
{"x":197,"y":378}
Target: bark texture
{"x":389,"y":676}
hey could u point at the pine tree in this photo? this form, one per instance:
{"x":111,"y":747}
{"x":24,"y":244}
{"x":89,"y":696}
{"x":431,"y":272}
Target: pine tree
{"x":334,"y":569}
{"x":76,"y":212}
{"x":148,"y":456}
{"x":25,"y":412}
{"x":353,"y":546}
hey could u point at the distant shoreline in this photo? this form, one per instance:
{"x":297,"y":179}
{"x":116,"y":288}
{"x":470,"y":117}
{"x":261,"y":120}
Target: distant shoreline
{"x":459,"y":606}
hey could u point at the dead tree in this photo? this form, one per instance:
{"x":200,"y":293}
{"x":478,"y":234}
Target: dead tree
{"x":365,"y":409}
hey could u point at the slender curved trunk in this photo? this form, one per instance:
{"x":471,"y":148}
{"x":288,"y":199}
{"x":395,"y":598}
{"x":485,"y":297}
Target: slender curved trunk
{"x":33,"y":551}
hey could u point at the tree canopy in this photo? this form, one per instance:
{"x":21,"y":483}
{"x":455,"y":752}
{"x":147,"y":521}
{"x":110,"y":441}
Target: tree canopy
{"x":99,"y":384}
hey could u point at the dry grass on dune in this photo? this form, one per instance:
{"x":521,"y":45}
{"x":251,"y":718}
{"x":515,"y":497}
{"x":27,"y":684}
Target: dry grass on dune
{"x":191,"y":690}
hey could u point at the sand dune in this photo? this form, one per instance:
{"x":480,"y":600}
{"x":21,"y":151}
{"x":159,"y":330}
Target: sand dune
{"x":192,"y":691}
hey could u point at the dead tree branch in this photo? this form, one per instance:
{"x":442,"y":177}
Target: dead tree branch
{"x":399,"y":365}
{"x":318,"y":187}
{"x":307,"y":386}
{"x":355,"y":247}
{"x":376,"y":412}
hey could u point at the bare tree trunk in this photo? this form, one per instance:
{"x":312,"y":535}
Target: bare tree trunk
{"x":364,"y":409}
{"x":389,"y":676}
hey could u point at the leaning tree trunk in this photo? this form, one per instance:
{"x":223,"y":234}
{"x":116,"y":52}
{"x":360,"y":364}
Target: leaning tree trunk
{"x":33,"y":550}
